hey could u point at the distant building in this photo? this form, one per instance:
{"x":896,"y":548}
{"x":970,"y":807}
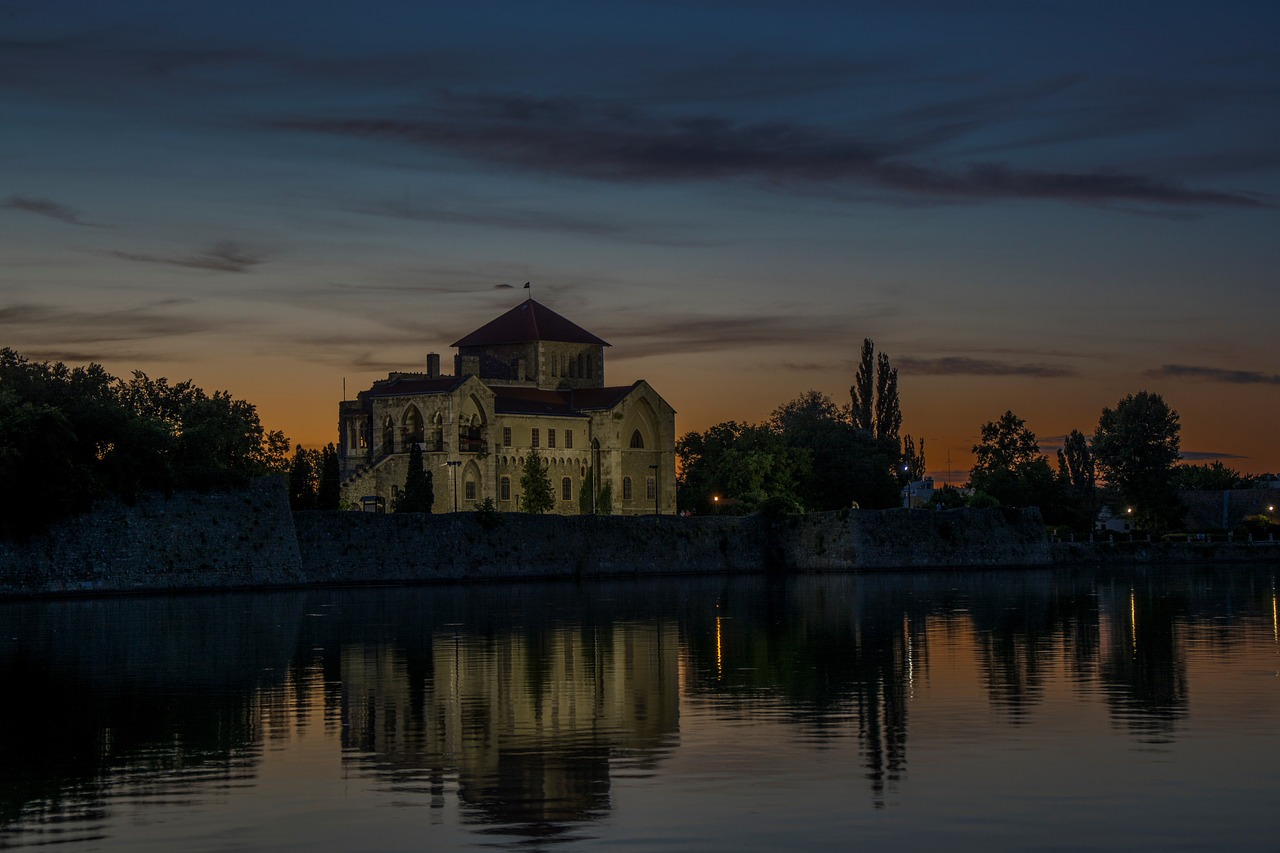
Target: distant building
{"x":528,"y":380}
{"x":918,"y":493}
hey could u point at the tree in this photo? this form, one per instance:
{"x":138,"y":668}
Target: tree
{"x":536,"y":485}
{"x":732,"y":460}
{"x":302,"y":480}
{"x":875,"y":407}
{"x":328,"y":489}
{"x":1136,"y":446}
{"x":1077,"y":474}
{"x":586,"y":495}
{"x":1005,"y":444}
{"x":888,"y":406}
{"x":604,"y":505}
{"x":418,"y":494}
{"x":862,"y":391}
{"x":1075,"y":461}
{"x":1010,"y":469}
{"x":913,"y":458}
{"x":1214,"y":477}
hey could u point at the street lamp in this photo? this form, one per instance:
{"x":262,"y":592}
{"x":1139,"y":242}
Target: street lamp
{"x":654,"y":469}
{"x":453,"y":464}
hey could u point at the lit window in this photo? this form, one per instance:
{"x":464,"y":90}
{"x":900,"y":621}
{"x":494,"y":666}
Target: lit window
{"x":504,"y":489}
{"x":626,"y":488}
{"x":535,"y":439}
{"x":568,"y":439}
{"x":566,"y":489}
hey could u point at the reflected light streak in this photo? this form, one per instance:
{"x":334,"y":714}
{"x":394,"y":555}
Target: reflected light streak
{"x":1133,"y":623}
{"x":911,"y":673}
{"x":1275,"y":624}
{"x":719,"y":659}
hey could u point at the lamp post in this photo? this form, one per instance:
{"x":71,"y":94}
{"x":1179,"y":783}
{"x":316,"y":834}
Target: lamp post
{"x":654,"y":469}
{"x":453,"y":477}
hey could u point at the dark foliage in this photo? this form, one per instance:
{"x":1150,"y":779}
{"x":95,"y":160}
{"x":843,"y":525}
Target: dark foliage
{"x":69,"y":436}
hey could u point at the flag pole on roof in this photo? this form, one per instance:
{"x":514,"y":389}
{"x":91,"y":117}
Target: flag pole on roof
{"x":526,"y":287}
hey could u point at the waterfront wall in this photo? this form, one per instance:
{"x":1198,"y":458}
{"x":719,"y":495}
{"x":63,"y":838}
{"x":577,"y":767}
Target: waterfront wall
{"x":187,"y":541}
{"x":250,"y":539}
{"x":913,"y":538}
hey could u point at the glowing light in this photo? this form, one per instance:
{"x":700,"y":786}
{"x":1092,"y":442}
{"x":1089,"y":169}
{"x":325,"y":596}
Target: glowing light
{"x":719,"y":660}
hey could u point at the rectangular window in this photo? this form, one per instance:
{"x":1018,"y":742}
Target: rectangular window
{"x":506,"y":436}
{"x":566,"y":489}
{"x":504,"y":489}
{"x":551,"y":438}
{"x":650,"y":488}
{"x":626,"y":488}
{"x":535,"y":439}
{"x":471,"y":491}
{"x":568,"y":439}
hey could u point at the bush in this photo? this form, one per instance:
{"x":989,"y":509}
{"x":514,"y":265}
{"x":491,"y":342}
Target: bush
{"x":487,"y":514}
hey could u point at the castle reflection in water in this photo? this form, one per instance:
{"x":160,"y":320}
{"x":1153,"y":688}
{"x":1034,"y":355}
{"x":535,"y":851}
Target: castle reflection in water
{"x":518,"y":705}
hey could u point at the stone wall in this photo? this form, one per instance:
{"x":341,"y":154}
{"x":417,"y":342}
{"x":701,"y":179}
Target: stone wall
{"x":912,"y":538}
{"x":1209,"y":510}
{"x":188,"y":541}
{"x":348,"y":547}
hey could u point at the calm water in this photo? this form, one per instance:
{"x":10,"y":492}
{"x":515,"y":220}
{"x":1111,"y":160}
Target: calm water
{"x":989,"y":710}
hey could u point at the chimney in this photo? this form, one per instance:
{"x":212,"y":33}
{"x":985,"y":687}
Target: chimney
{"x":433,"y":365}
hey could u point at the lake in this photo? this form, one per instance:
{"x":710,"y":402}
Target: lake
{"x":1034,"y":709}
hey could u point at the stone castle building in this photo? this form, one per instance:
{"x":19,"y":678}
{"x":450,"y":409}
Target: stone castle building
{"x":529,"y":380}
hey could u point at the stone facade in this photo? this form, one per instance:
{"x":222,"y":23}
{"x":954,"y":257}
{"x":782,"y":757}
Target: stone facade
{"x":528,"y":381}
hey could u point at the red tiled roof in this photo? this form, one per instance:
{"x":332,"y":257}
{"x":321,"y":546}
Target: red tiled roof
{"x":529,"y":321}
{"x":401,"y":387}
{"x":534,"y":401}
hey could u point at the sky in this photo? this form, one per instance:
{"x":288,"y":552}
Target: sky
{"x":1039,"y":207}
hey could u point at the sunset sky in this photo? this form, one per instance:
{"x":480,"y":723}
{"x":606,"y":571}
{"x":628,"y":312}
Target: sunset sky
{"x":1030,"y":206}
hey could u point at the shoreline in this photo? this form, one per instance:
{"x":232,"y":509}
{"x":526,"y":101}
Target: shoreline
{"x":250,"y":540}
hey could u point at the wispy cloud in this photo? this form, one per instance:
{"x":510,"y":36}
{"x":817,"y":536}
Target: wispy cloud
{"x":1203,"y":455}
{"x":646,"y":335}
{"x":1215,"y":374}
{"x":44,"y":207}
{"x":610,"y":140}
{"x":505,"y":216}
{"x":74,"y":329}
{"x":223,"y":256}
{"x":964,"y":366}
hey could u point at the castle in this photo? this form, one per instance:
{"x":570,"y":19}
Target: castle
{"x":528,"y":380}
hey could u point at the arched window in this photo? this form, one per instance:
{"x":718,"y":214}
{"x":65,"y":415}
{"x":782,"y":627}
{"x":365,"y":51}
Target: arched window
{"x":388,"y":435}
{"x":637,"y":441}
{"x":412,"y":425}
{"x":566,"y":489}
{"x":626,"y":488}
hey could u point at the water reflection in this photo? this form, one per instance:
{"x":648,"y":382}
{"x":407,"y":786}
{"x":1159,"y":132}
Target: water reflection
{"x":514,"y":710}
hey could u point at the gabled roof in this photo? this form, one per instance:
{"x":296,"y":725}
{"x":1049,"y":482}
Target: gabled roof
{"x":400,"y":386}
{"x":534,"y":401}
{"x":529,"y":321}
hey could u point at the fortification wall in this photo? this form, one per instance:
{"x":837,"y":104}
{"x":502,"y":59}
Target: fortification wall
{"x":188,"y":541}
{"x":913,"y":538}
{"x":347,"y":547}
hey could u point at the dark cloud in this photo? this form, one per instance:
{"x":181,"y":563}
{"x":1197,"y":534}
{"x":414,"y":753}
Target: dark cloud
{"x":1202,"y":455}
{"x":44,"y":207}
{"x":613,"y":141}
{"x":69,"y":326}
{"x":963,"y":366}
{"x":494,"y":216}
{"x":1215,"y":374}
{"x":504,"y":287}
{"x":223,"y":256}
{"x":648,"y":336}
